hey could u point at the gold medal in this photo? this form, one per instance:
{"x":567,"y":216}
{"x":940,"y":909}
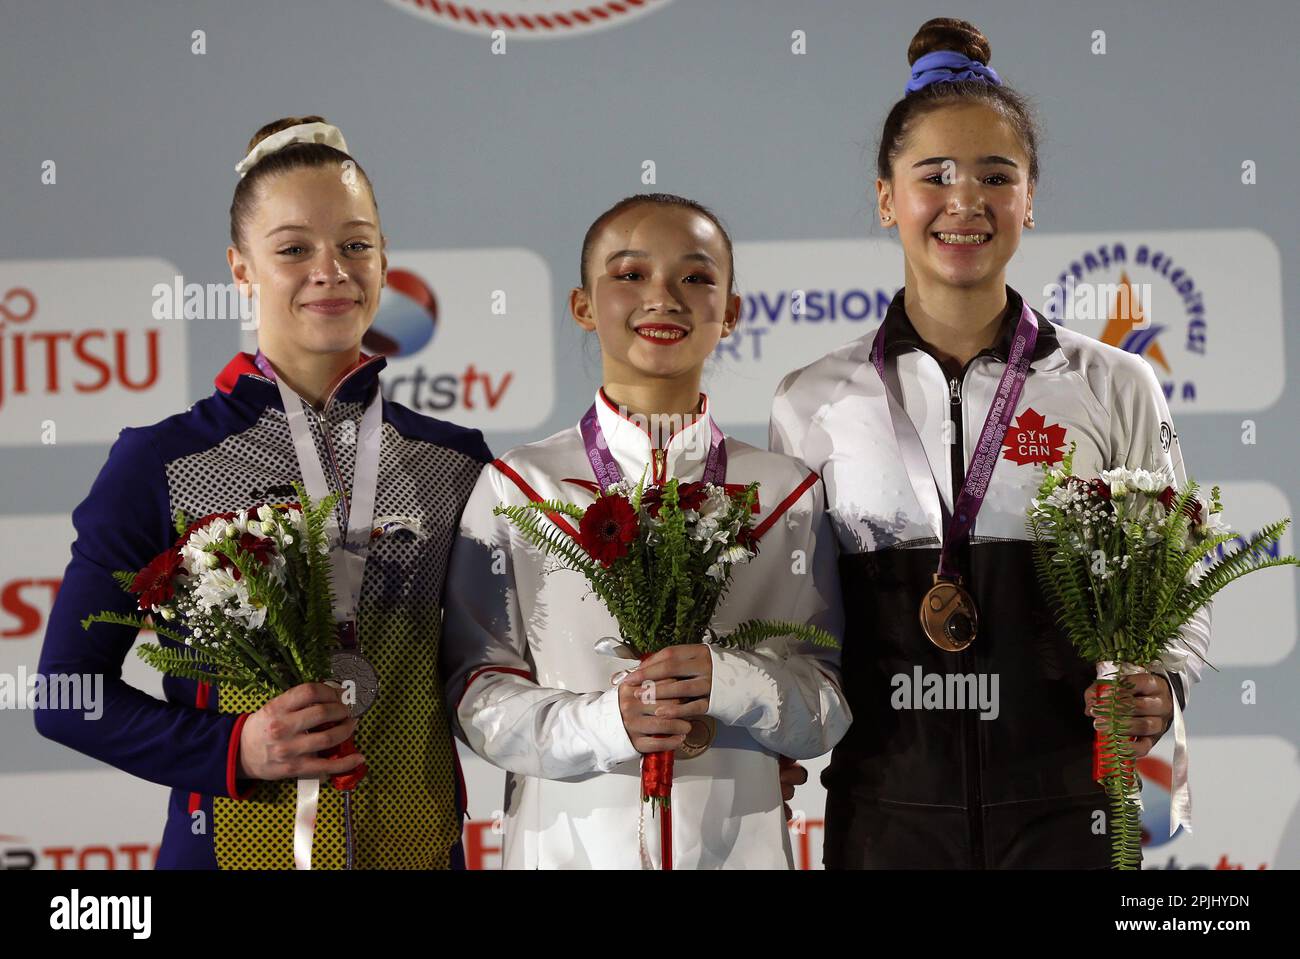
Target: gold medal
{"x":948,"y":615}
{"x":703,"y":729}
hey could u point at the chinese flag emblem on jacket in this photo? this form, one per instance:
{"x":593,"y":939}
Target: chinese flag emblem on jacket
{"x":1031,"y":440}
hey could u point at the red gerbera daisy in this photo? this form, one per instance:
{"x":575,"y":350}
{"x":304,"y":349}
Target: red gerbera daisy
{"x":607,"y":529}
{"x":154,"y":583}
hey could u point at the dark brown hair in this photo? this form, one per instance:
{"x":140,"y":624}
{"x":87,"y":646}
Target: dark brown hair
{"x":293,"y":157}
{"x":945,"y":33}
{"x":657,"y":199}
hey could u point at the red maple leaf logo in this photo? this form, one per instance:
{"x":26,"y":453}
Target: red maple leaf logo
{"x":1029,"y":440}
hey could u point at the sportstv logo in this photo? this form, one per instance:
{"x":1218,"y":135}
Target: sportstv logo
{"x":404,"y":327}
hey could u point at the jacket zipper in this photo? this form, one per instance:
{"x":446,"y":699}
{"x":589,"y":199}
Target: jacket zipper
{"x":345,"y":494}
{"x":344,"y":507}
{"x":974,"y":792}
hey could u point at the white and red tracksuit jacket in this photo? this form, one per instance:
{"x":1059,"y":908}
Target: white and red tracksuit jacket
{"x":532,"y":694}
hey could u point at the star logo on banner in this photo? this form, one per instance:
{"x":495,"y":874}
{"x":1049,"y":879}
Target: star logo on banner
{"x":1031,"y":440}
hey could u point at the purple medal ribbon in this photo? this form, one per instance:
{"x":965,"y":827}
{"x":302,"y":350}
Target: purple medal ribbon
{"x":607,"y":471}
{"x":1002,"y":410}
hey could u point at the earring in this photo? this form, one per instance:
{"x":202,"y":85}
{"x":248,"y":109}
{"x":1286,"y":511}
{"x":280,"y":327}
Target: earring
{"x":1029,"y":218}
{"x":886,"y":220}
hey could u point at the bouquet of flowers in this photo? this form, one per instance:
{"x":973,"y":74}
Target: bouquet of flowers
{"x":660,"y":559}
{"x":245,"y":597}
{"x":1125,"y":559}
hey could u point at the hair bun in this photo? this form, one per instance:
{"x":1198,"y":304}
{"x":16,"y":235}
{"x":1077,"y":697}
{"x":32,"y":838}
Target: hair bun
{"x":946,"y":33}
{"x":275,"y":126}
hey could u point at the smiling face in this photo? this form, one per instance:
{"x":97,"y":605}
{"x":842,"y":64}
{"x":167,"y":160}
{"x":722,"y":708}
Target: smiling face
{"x":313,"y":248}
{"x":658,"y":297}
{"x":959,"y":196}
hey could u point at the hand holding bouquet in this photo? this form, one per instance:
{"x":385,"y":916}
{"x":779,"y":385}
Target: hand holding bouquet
{"x":660,"y":559}
{"x":1125,"y":560}
{"x":246,"y":598}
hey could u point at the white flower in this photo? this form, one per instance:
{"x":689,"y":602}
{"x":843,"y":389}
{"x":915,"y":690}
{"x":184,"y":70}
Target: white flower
{"x":253,"y":617}
{"x":1120,"y":474}
{"x":294,"y":520}
{"x":216,"y":588}
{"x":1062,"y":497}
{"x":1213,"y":526}
{"x":708,"y":529}
{"x":734,"y":554}
{"x":196,"y":555}
{"x":716,"y":503}
{"x":715,"y":572}
{"x":1147,"y":481}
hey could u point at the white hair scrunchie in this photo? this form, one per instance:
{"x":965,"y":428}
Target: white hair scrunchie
{"x":325,"y":133}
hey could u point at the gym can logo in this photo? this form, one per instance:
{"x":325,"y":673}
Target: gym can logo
{"x":1032,"y":440}
{"x":530,"y":19}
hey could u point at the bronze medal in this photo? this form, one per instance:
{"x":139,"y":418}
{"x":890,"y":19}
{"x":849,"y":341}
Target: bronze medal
{"x":948,"y":615}
{"x":703,"y":729}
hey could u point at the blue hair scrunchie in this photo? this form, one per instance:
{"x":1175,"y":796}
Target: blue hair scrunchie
{"x":943,"y":66}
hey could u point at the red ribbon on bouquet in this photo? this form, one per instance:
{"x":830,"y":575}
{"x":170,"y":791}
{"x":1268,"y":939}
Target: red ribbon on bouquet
{"x":348,"y":780}
{"x":1102,"y":760}
{"x":657,"y":789}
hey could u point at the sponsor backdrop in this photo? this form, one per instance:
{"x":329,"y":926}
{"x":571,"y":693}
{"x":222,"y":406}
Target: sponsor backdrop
{"x":494,"y":133}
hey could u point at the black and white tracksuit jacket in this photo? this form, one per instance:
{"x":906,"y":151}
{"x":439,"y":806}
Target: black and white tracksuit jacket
{"x":944,"y":788}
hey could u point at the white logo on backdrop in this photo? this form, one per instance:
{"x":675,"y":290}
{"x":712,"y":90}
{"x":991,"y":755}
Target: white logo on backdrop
{"x":1210,"y":324}
{"x":1212,"y":329}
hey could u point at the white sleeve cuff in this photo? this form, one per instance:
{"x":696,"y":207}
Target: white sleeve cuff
{"x":742,"y":690}
{"x":610,"y":740}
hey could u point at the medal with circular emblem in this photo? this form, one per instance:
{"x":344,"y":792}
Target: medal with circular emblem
{"x":948,"y":615}
{"x":699,"y":739}
{"x":353,"y":672}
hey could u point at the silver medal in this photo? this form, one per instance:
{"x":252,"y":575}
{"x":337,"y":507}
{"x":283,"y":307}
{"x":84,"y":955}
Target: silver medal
{"x":354,"y":672}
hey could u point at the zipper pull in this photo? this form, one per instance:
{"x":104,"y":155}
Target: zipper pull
{"x":659,"y":467}
{"x":954,"y":391}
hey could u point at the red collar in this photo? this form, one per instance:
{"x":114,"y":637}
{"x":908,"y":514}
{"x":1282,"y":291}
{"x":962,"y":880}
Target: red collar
{"x":244,"y":364}
{"x":241,"y":365}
